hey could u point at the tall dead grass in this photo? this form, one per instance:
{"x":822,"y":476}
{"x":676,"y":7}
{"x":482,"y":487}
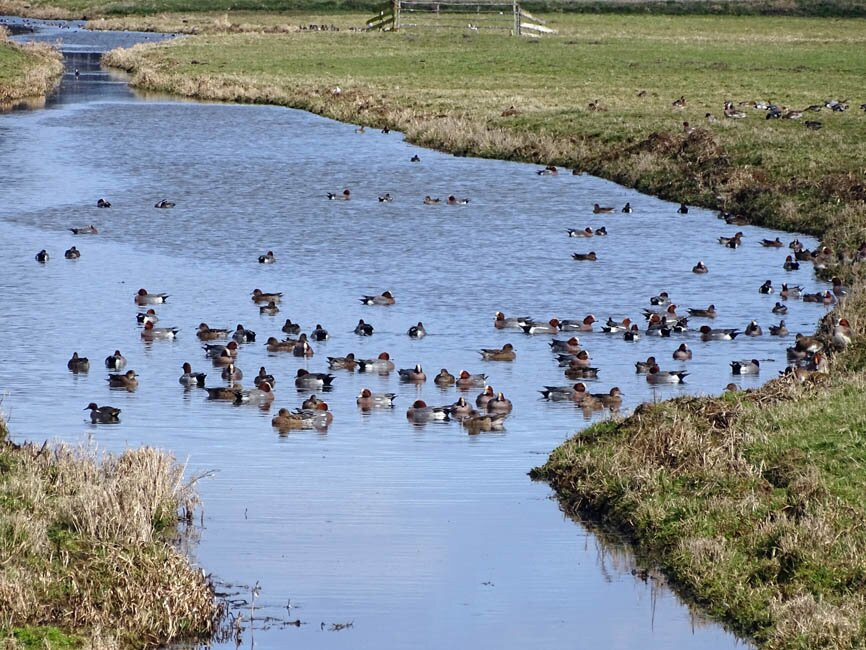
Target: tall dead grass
{"x":40,"y":70}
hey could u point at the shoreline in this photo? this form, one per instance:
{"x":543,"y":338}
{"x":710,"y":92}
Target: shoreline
{"x":36,"y":69}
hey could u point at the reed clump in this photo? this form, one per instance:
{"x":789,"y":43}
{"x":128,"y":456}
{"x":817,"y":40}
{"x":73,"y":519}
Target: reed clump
{"x":86,"y":547}
{"x":26,"y":71}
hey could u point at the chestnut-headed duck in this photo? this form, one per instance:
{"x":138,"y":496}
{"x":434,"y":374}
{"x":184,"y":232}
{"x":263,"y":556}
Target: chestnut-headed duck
{"x":465,"y":380}
{"x":319,"y":333}
{"x":682,"y":353}
{"x":267,"y":258}
{"x":779,"y":309}
{"x":264,"y":376}
{"x":230,"y":393}
{"x":164,"y":204}
{"x":499,"y":404}
{"x":345,"y":195}
{"x":231,"y":373}
{"x":709,"y":312}
{"x":721,"y":334}
{"x":598,"y":209}
{"x":85,"y":230}
{"x":78,"y":364}
{"x":584,"y":325}
{"x":581,"y":372}
{"x":385,"y":298}
{"x":313,"y":380}
{"x":213,"y":350}
{"x":842,"y":333}
{"x":72,"y":253}
{"x":103,"y":414}
{"x":127,"y":380}
{"x":150,"y":333}
{"x":206,"y":333}
{"x":381,"y":364}
{"x":444,"y":378}
{"x":794,"y":291}
{"x":839,"y":289}
{"x":453,"y":200}
{"x":363,"y":329}
{"x":790,"y":264}
{"x":824,"y":297}
{"x":415,"y":374}
{"x":271,"y":309}
{"x":656,"y":376}
{"x":417,"y":331}
{"x":642,"y":367}
{"x":779,"y":330}
{"x":243,"y":335}
{"x":343,"y":363}
{"x":145,"y":298}
{"x":614,"y":327}
{"x":429,"y":200}
{"x":102,"y":203}
{"x":772,"y":243}
{"x":753,"y":329}
{"x":632,"y":334}
{"x":586,"y":232}
{"x":669,"y":312}
{"x":420,"y":412}
{"x":42,"y":256}
{"x":611,"y":399}
{"x":385,"y":198}
{"x":746,"y":367}
{"x":515,"y":322}
{"x":292,"y":328}
{"x":261,"y":296}
{"x":550,"y":327}
{"x":191,"y":379}
{"x":767,"y":287}
{"x":262,"y":394}
{"x":700,"y":267}
{"x":148,"y":316}
{"x":505,"y":353}
{"x":627,"y":209}
{"x":563,"y":393}
{"x":115,"y":361}
{"x":661,"y":299}
{"x":577,"y":360}
{"x":367,"y":400}
{"x":484,"y":397}
{"x":550,"y":170}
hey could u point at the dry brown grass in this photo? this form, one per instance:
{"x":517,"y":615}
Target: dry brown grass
{"x":32,"y":70}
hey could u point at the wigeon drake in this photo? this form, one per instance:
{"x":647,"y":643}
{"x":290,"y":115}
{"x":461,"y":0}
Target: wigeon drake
{"x":586,"y":232}
{"x":420,"y":412}
{"x":563,"y":393}
{"x":85,"y":230}
{"x":792,"y":291}
{"x":842,"y":333}
{"x":381,"y":364}
{"x":598,"y":209}
{"x":313,"y":380}
{"x":682,"y":353}
{"x":145,"y":298}
{"x":262,"y":394}
{"x":505,"y":353}
{"x":385,"y":298}
{"x":148,"y":316}
{"x":243,"y":335}
{"x":484,"y":397}
{"x":206,"y":333}
{"x":453,"y":200}
{"x":709,"y":334}
{"x":115,"y":361}
{"x":752,"y":367}
{"x":103,"y":414}
{"x":515,"y":322}
{"x":415,"y":374}
{"x":72,"y":253}
{"x":367,"y":400}
{"x":584,"y":325}
{"x":614,"y":327}
{"x":656,"y":376}
{"x":261,"y":296}
{"x":551,"y":327}
{"x":42,"y":256}
{"x":78,"y":364}
{"x":465,"y":380}
{"x":127,"y":380}
{"x":444,"y":378}
{"x":417,"y":331}
{"x":579,"y":360}
{"x":267,"y":258}
{"x":151,"y":333}
{"x":345,"y":195}
{"x":772,"y":243}
{"x":343,"y":363}
{"x":191,"y":379}
{"x":736,"y":240}
{"x":585,"y":257}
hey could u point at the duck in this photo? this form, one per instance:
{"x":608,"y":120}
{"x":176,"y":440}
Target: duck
{"x":586,"y":232}
{"x":661,"y":300}
{"x":343,"y":363}
{"x":735,"y":219}
{"x":823,"y":297}
{"x":319,"y":333}
{"x":72,"y":253}
{"x":103,"y":414}
{"x":794,"y":291}
{"x":302,"y":348}
{"x":150,"y":333}
{"x":164,"y":204}
{"x":319,"y":418}
{"x":842,"y":333}
{"x":102,"y":203}
{"x":611,"y":400}
{"x":584,"y":325}
{"x":752,"y":367}
{"x":700,"y":267}
{"x":429,"y":200}
{"x":415,"y":374}
{"x":148,"y":316}
{"x":385,"y":198}
{"x":385,"y":298}
{"x":444,"y":378}
{"x":598,"y":209}
{"x":551,"y":327}
{"x":709,"y":312}
{"x":682,"y":353}
{"x":262,"y":394}
{"x":601,"y":232}
{"x":627,"y":209}
{"x":709,"y":334}
{"x":115,"y":361}
{"x":766,"y":288}
{"x":367,"y":400}
{"x":485,"y":396}
{"x":85,"y":230}
{"x":669,"y":313}
{"x":191,"y":379}
{"x":581,"y":372}
{"x":563,"y":393}
{"x":453,"y":200}
{"x":78,"y":364}
{"x":415,"y":158}
{"x":465,"y":380}
{"x":779,"y":330}
{"x":499,"y":404}
{"x":230,"y":393}
{"x":505,"y":353}
{"x":460,"y":409}
{"x":243,"y":335}
{"x":275,"y":345}
{"x":264,"y":376}
{"x":223,"y":358}
{"x":313,"y":380}
{"x":680,"y":103}
{"x":292,"y":328}
{"x":267,"y":258}
{"x":381,"y":364}
{"x":127,"y":380}
{"x":213,"y":350}
{"x":145,"y":298}
{"x":735,"y":240}
{"x":614,"y":327}
{"x":271,"y":309}
{"x":683,"y":209}
{"x":642,"y":367}
{"x":42,"y":256}
{"x":230,"y":373}
{"x":839,"y":289}
{"x":790,"y":264}
{"x":753,"y":329}
{"x":779,"y":309}
{"x":261,"y":296}
{"x":550,"y":170}
{"x":515,"y":322}
{"x":345,"y":195}
{"x":363,"y":329}
{"x":206,"y":333}
{"x":632,"y":334}
{"x":420,"y":412}
{"x":417,"y":331}
{"x":657,"y":376}
{"x":286,"y":420}
{"x":477,"y":423}
{"x":772,"y":243}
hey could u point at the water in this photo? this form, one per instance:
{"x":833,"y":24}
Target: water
{"x":419,"y":536}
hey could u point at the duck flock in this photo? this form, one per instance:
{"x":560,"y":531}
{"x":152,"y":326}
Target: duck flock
{"x":219,"y":376}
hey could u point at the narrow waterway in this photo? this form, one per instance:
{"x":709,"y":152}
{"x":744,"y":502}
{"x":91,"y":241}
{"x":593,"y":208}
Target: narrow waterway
{"x":418,"y":536}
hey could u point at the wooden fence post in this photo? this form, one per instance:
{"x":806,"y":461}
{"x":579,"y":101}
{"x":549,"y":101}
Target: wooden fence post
{"x":516,"y":9}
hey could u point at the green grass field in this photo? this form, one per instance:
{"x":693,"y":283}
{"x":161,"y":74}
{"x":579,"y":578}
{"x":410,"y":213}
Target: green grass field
{"x":26,"y":72}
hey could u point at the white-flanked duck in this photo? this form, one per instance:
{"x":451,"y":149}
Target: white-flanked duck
{"x":72,"y":253}
{"x":367,"y":400}
{"x":319,"y":333}
{"x":584,"y":325}
{"x":661,"y":300}
{"x":267,"y":258}
{"x":385,"y":298}
{"x":700,"y":267}
{"x":586,"y":232}
{"x":243,"y":335}
{"x":313,"y":380}
{"x":453,"y":200}
{"x":632,"y":334}
{"x":627,"y":208}
{"x":345,"y":195}
{"x":657,"y":376}
{"x":614,"y":327}
{"x":417,"y":331}
{"x":682,"y":353}
{"x":103,"y":414}
{"x":721,"y":334}
{"x":420,"y":412}
{"x":145,"y":298}
{"x":42,"y":256}
{"x":151,"y":333}
{"x":115,"y":361}
{"x":746,"y":367}
{"x":85,"y":230}
{"x":191,"y":379}
{"x":381,"y":364}
{"x":550,"y":327}
{"x":363,"y":329}
{"x":102,"y":203}
{"x":767,"y":287}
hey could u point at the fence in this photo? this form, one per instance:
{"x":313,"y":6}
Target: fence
{"x":458,"y":14}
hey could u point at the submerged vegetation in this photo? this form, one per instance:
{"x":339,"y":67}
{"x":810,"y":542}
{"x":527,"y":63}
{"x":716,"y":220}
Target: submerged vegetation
{"x":26,"y":71}
{"x":86,"y":552}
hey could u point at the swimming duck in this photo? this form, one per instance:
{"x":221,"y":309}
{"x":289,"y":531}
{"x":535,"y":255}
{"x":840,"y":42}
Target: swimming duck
{"x":263,"y":394}
{"x":611,"y":400}
{"x":627,"y":208}
{"x":584,"y":325}
{"x":312,"y":402}
{"x":369,"y":400}
{"x":224,"y":357}
{"x":551,"y":327}
{"x":727,"y":241}
{"x":344,"y":196}
{"x":726,"y":334}
{"x":206,"y":333}
{"x":230,"y":373}
{"x":164,"y":204}
{"x":319,"y":418}
{"x":499,"y":404}
{"x":656,"y":376}
{"x":417,"y":331}
{"x":385,"y":198}
{"x":115,"y":361}
{"x":485,"y":396}
{"x":824,"y":297}
{"x":415,"y":158}
{"x":223,"y":392}
{"x":682,"y":353}
{"x":709,"y":312}
{"x":453,"y":200}
{"x":581,"y":372}
{"x":766,"y":288}
{"x":465,"y":380}
{"x":670,"y":313}
{"x":42,"y":256}
{"x":516,"y":322}
{"x":550,"y":170}
{"x":700,"y":267}
{"x":148,"y":316}
{"x":343,"y":363}
{"x":661,"y":300}
{"x":127,"y":380}
{"x":313,"y":380}
{"x":78,"y":364}
{"x":772,"y":243}
{"x":734,"y":219}
{"x":293,"y":328}
{"x":213,"y":350}
{"x":270,"y":309}
{"x":102,"y":203}
{"x":415,"y":374}
{"x":575,"y":360}
{"x":85,"y":230}
{"x":598,"y":209}
{"x":381,"y":364}
{"x":563,"y":393}
{"x":586,"y":232}
{"x":145,"y":298}
{"x":444,"y":378}
{"x":285,"y":420}
{"x":267,"y":258}
{"x":191,"y":379}
{"x":601,"y":232}
{"x":261,"y":296}
{"x":363,"y":329}
{"x":790,"y":264}
{"x":779,"y":309}
{"x":460,"y":409}
{"x":779,"y":330}
{"x":103,"y":414}
{"x":613,"y":327}
{"x":264,"y":376}
{"x":420,"y":412}
{"x":429,"y":200}
{"x":505,"y":353}
{"x":319,"y":333}
{"x":150,"y":333}
{"x":794,"y":291}
{"x":683,"y":209}
{"x":275,"y":345}
{"x":302,"y":348}
{"x":644,"y":366}
{"x":72,"y":253}
{"x":476,"y":423}
{"x":386,"y":298}
{"x":753,"y":329}
{"x":632,"y":334}
{"x":752,"y":367}
{"x":243,"y":335}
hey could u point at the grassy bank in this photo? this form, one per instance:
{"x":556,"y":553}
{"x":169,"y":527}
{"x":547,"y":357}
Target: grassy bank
{"x":26,"y":71}
{"x":85,"y":550}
